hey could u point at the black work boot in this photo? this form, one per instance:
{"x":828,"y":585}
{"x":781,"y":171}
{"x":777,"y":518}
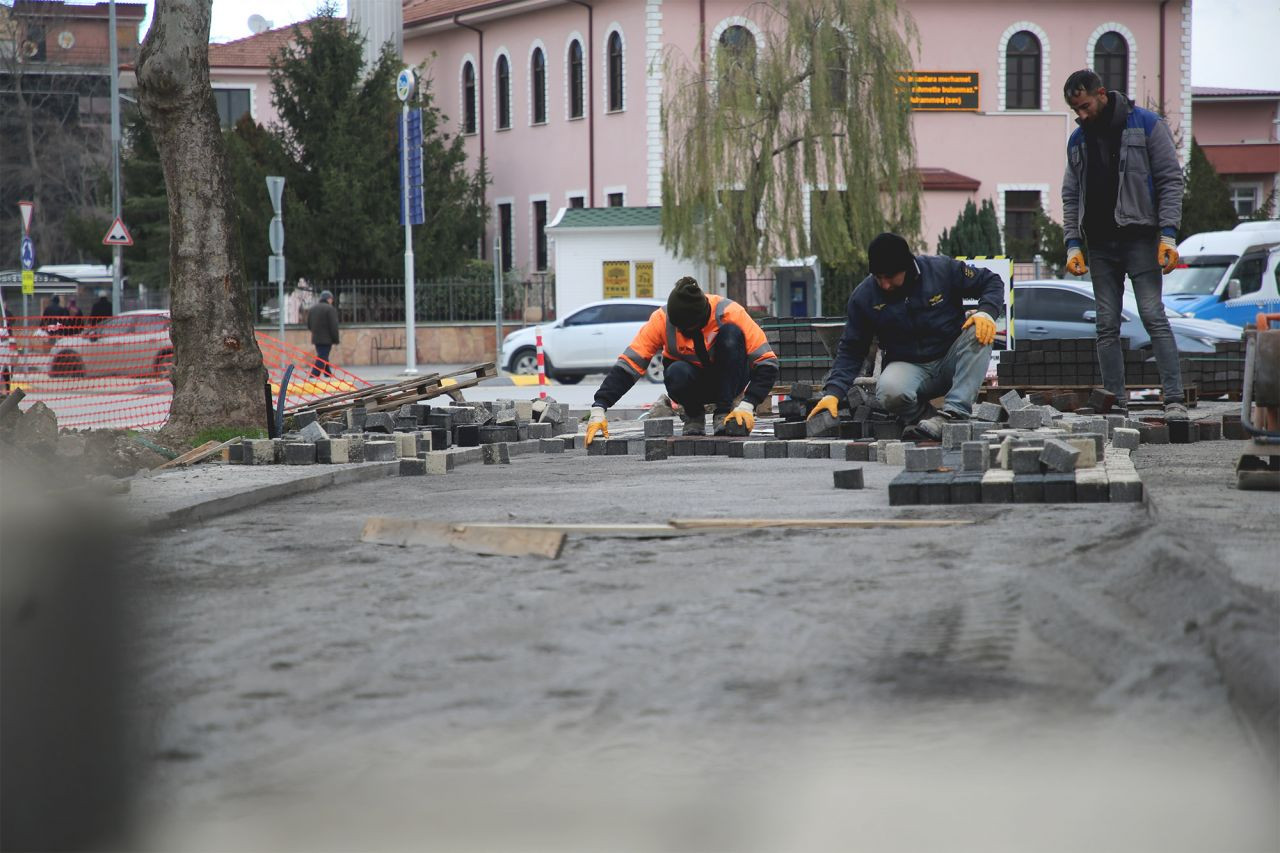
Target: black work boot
{"x":694,"y":422}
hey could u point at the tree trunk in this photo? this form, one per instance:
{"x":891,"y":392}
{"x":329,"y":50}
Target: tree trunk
{"x":217,"y":372}
{"x":736,"y":286}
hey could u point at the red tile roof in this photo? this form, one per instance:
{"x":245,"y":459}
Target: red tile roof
{"x":1219,"y":92}
{"x":59,"y":9}
{"x":255,"y":51}
{"x":418,"y":11}
{"x":934,"y":178}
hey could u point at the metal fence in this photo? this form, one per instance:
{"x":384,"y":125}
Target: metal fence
{"x":382,"y":301}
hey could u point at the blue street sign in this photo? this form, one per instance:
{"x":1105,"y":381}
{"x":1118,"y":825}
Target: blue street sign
{"x":413,"y":180}
{"x":28,"y":254}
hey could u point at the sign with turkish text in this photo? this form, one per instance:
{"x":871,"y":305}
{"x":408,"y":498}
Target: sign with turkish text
{"x":644,"y":279}
{"x":942,"y":91}
{"x":617,"y":279}
{"x":28,"y":282}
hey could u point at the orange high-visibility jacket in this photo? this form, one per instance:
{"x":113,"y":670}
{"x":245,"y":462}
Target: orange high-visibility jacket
{"x":660,"y":335}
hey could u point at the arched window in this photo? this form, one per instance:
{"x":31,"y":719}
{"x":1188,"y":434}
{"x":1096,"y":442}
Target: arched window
{"x":538,"y":74}
{"x":1111,"y":61}
{"x":1022,"y":72}
{"x":468,"y":98}
{"x":504,"y":93}
{"x":737,"y":51}
{"x":615,"y":71}
{"x":575,"y":79}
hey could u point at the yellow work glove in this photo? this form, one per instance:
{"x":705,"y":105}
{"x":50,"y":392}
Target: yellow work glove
{"x":984,"y":328}
{"x":1075,"y":261}
{"x":597,"y":424}
{"x":828,"y":404}
{"x":744,"y":415}
{"x":1167,"y":254}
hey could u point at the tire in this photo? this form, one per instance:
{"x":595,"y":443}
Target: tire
{"x":164,"y":365}
{"x":655,"y":373}
{"x":524,"y":362}
{"x":569,"y":378}
{"x":67,"y":365}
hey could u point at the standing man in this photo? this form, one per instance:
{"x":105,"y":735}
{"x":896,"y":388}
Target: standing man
{"x":322,"y":320}
{"x":913,"y":305}
{"x":1122,"y":196}
{"x":100,"y":310}
{"x":712,"y":353}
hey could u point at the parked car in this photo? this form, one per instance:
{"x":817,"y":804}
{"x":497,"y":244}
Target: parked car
{"x":1222,"y":274}
{"x":1066,"y":309}
{"x":133,"y":343}
{"x":589,"y":340}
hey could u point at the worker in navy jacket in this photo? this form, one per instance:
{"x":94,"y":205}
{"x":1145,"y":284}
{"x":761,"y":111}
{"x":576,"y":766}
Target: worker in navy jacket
{"x":912,"y":305}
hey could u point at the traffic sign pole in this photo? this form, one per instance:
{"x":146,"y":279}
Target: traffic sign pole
{"x":275,"y":234}
{"x":404,"y":90}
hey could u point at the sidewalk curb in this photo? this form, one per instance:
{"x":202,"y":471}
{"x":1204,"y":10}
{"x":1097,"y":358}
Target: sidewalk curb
{"x":253,"y":497}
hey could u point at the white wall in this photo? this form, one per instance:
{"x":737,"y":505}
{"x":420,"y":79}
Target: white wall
{"x":581,"y":252}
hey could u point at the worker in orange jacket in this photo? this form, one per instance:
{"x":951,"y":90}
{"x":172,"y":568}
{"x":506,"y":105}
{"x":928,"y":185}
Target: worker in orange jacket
{"x":712,"y":352}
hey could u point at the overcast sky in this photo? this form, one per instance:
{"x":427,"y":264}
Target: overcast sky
{"x":1233,"y":42}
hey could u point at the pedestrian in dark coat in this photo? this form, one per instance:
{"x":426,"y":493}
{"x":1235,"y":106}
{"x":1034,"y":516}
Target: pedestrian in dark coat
{"x":322,"y":320}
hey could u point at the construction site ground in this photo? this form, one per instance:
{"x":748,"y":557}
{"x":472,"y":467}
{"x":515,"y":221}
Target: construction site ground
{"x":1049,"y":677}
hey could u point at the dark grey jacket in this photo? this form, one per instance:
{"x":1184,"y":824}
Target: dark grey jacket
{"x":1150,"y":191}
{"x":322,"y":320}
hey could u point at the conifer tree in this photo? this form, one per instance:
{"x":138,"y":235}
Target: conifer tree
{"x":1206,"y":201}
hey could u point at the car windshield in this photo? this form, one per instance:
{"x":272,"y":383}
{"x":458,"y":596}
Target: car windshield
{"x":1197,"y":275}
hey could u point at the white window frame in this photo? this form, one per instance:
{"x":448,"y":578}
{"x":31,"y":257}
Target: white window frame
{"x":252,"y":88}
{"x":1129,"y":37}
{"x":1253,"y":186}
{"x":502,"y":52}
{"x":497,"y":222}
{"x":1002,"y":65}
{"x":1001,"y":189}
{"x":546,"y":83}
{"x":568,"y":78}
{"x":533,"y":232}
{"x":605,"y":192}
{"x":614,"y":27}
{"x":462,"y":94}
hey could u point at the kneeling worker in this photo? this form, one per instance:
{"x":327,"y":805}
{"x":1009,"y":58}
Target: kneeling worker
{"x":913,"y":306}
{"x":712,"y":352}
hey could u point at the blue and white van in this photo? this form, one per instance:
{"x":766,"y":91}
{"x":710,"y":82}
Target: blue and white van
{"x":1222,"y":275}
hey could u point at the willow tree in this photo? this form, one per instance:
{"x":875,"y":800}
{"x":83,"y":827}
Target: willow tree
{"x":812,"y":116}
{"x":218,"y":375}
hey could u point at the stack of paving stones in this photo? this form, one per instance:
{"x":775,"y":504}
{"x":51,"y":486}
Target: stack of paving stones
{"x":1217,"y":373}
{"x":1029,"y":453}
{"x":802,"y":356}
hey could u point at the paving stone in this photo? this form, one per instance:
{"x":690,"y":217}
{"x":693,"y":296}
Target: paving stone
{"x":684,"y":447}
{"x":439,"y":438}
{"x":775,"y":450}
{"x":355,"y":448}
{"x":493,"y":434}
{"x":659,"y":427}
{"x":524,"y":410}
{"x":333,"y":451}
{"x":1024,"y":460}
{"x":333,"y":429}
{"x":506,"y":417}
{"x":1099,"y":440}
{"x":997,"y":486}
{"x":801,"y":391}
{"x":440,"y":419}
{"x":789,"y":430}
{"x":312,"y":431}
{"x":495,"y":454}
{"x":1114,"y":422}
{"x":406,"y":445}
{"x":895,"y":453}
{"x":817,"y":450}
{"x":1059,"y":456}
{"x":1154,"y":433}
{"x":822,"y":424}
{"x":380,"y":451}
{"x":466,"y":435}
{"x":991,"y":412}
{"x":235,"y":453}
{"x":904,"y":489}
{"x":966,"y":488}
{"x":1210,"y":430}
{"x":1126,"y":438}
{"x":616,"y":446}
{"x":851,"y":430}
{"x":1064,"y":402}
{"x":955,"y":434}
{"x":1126,"y":488}
{"x":1025,"y":418}
{"x":1088,"y":448}
{"x":704,"y":447}
{"x":302,"y":419}
{"x":795,"y":411}
{"x":886,"y":430}
{"x":975,"y":456}
{"x":1092,"y":486}
{"x":259,"y":451}
{"x":1183,"y":432}
{"x":379,"y":422}
{"x":1233,"y":428}
{"x":858,"y":451}
{"x":979,"y":428}
{"x":1028,"y":488}
{"x":300,"y":453}
{"x":413,"y":467}
{"x":539,"y":430}
{"x":356,"y":418}
{"x":1101,"y":400}
{"x":1060,"y":488}
{"x":440,"y":461}
{"x":735,"y":450}
{"x":935,"y":487}
{"x":551,"y":445}
{"x":922,"y":458}
{"x":848,"y":478}
{"x":753,"y":449}
{"x":1013,"y":402}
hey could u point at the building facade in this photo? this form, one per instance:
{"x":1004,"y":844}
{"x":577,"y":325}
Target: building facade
{"x":1239,"y":130}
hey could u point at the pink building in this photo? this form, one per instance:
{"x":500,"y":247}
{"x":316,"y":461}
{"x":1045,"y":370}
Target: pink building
{"x":1239,"y":130}
{"x":563,"y":97}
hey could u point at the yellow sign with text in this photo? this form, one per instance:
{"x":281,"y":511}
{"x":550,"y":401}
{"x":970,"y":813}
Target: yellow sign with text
{"x":942,"y":91}
{"x":644,"y":279}
{"x":617,"y":279}
{"x":28,"y":282}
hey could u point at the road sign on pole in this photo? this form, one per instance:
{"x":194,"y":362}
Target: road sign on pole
{"x":275,"y":234}
{"x":27,"y":208}
{"x":28,"y":254}
{"x":117,"y":235}
{"x":411,"y":208}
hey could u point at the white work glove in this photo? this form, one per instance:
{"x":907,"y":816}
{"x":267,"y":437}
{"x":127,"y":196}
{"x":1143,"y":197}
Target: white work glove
{"x":596,"y":424}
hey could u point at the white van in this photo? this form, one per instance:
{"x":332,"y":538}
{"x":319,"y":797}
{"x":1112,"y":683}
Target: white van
{"x":1222,"y":274}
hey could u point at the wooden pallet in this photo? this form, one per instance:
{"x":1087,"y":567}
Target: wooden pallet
{"x":382,"y":398}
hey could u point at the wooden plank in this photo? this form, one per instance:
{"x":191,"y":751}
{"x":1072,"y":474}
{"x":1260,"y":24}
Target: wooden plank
{"x":835,"y":523}
{"x":496,"y":540}
{"x":204,"y":451}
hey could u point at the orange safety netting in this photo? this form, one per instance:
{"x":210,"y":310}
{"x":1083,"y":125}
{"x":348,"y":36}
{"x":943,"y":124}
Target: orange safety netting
{"x":114,"y":373}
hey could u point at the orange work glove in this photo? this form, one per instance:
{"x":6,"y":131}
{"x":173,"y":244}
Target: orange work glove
{"x":744,"y":415}
{"x":1075,"y":261}
{"x":984,"y":328}
{"x":828,"y":404}
{"x":597,"y":424}
{"x":1167,"y":254}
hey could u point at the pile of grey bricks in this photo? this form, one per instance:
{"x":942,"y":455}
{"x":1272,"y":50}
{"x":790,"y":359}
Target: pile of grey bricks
{"x":422,"y":438}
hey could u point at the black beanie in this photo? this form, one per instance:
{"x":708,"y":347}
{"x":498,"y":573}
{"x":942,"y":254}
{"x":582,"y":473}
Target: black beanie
{"x":888,"y":254}
{"x":687,"y":306}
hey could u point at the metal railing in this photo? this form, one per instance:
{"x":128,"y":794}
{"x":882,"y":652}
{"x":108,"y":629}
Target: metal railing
{"x":382,"y":301}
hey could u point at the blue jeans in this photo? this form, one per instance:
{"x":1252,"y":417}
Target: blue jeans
{"x":1109,"y":261}
{"x":719,"y":382}
{"x":905,"y":388}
